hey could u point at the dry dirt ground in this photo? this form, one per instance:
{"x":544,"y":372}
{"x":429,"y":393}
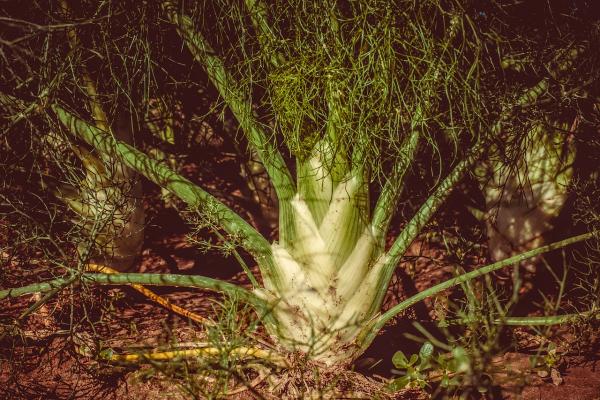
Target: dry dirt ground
{"x":45,"y":364}
{"x":40,"y":360}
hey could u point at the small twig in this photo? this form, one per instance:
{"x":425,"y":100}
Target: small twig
{"x":155,"y":297}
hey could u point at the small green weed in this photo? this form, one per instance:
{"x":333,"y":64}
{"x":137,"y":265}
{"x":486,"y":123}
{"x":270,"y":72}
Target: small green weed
{"x":421,"y":369}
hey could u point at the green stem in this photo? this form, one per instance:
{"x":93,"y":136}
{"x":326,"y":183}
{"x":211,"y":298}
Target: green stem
{"x":241,"y":107}
{"x":384,"y":210}
{"x":51,"y":293}
{"x":194,"y":281}
{"x":369,"y":333}
{"x":41,"y":287}
{"x":266,"y":37}
{"x":418,"y":222}
{"x":545,"y":320}
{"x":337,"y":161}
{"x":161,"y":175}
{"x":386,"y":204}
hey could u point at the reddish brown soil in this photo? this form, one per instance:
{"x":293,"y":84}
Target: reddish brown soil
{"x":47,"y":366}
{"x":43,"y":364}
{"x":581,"y":381}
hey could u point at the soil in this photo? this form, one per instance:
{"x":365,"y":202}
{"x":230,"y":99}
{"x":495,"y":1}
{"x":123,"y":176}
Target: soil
{"x":39,"y":358}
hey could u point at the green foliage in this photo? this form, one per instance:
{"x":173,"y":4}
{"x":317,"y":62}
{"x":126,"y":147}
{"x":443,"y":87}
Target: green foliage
{"x":327,"y":94}
{"x":364,"y":76}
{"x":428,"y":366}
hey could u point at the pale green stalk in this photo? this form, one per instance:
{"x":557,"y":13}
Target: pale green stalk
{"x":161,"y":175}
{"x":417,"y":223}
{"x":241,"y":107}
{"x":391,"y":259}
{"x":257,"y":176}
{"x":546,"y":320}
{"x":173,"y":280}
{"x":388,"y":200}
{"x":337,"y":161}
{"x":266,"y":36}
{"x":315,"y":184}
{"x":371,"y":330}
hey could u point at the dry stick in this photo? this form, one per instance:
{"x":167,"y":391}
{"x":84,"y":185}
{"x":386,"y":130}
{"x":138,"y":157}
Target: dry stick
{"x":241,"y":352}
{"x":155,"y":297}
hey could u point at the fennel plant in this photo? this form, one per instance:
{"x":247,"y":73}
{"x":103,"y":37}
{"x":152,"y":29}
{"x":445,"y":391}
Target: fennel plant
{"x":340,"y":103}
